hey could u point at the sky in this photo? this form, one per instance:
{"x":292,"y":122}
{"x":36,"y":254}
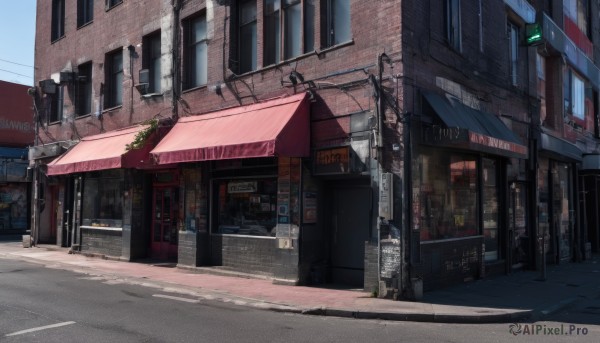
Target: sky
{"x":17,"y":41}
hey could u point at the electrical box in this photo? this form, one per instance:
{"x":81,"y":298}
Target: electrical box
{"x":386,"y":196}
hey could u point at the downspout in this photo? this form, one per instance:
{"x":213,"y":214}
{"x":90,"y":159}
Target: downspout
{"x":175,"y":67}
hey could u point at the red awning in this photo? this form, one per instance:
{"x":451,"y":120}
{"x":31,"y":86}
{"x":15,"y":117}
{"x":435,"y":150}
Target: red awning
{"x":273,"y":128}
{"x":100,"y":152}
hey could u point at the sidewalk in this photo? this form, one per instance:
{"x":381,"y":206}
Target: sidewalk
{"x":511,"y":298}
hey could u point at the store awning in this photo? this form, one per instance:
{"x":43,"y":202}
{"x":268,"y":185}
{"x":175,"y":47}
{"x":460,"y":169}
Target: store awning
{"x":100,"y":152}
{"x":274,"y":128}
{"x":559,"y":148}
{"x":472,"y":129}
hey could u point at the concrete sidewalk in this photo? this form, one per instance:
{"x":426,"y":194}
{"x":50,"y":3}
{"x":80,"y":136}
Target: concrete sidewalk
{"x":511,"y":298}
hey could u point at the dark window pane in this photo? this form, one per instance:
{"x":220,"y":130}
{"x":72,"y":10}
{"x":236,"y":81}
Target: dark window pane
{"x":309,"y":25}
{"x":58,"y":19}
{"x":84,"y":89}
{"x":247,"y":37}
{"x":272,"y":39}
{"x":114,"y":79}
{"x":196,"y":52}
{"x":85,"y":12}
{"x":341,"y":21}
{"x":292,"y":30}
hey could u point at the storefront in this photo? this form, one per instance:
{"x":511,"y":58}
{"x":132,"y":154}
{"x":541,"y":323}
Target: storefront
{"x":241,"y":185}
{"x":14,"y":191}
{"x":461,"y":198}
{"x":104,"y":187}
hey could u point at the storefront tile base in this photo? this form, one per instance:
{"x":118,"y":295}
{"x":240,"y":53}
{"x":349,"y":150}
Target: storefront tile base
{"x":103,"y":242}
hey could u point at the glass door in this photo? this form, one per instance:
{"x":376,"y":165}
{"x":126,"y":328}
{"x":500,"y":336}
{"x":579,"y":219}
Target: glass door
{"x":164,"y":223}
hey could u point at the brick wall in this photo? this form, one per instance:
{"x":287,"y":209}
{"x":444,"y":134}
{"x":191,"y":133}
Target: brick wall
{"x":371,"y":267}
{"x":104,"y":242}
{"x":450,"y":262}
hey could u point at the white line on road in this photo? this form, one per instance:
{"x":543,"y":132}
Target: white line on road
{"x":39,"y":328}
{"x":187,"y":300}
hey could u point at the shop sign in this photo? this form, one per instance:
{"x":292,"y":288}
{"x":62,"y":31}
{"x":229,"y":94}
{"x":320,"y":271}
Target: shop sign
{"x":496,"y":143}
{"x":332,"y":161}
{"x":242,"y":187}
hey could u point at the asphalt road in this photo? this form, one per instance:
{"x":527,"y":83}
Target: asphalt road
{"x":39,"y":304}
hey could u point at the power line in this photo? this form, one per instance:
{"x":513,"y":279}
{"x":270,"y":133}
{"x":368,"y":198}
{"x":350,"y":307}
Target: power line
{"x":12,"y":72}
{"x":19,"y":64}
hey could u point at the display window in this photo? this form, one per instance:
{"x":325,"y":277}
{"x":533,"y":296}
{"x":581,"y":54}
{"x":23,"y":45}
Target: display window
{"x":103,"y":199}
{"x":13,"y":206}
{"x":245,"y":206}
{"x":448,"y":195}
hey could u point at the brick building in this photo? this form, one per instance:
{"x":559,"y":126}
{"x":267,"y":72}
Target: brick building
{"x":16,"y":134}
{"x":310,"y":141}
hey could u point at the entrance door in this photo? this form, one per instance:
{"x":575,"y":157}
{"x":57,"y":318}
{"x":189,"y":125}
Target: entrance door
{"x":351,"y":223}
{"x":164,"y":223}
{"x":519,"y":233}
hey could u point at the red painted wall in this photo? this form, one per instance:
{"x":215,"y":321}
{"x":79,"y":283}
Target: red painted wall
{"x":16,"y":116}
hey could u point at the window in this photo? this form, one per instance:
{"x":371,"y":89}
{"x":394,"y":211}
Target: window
{"x":247,"y":36}
{"x":337,"y":25}
{"x":579,"y":12}
{"x":112,"y":3}
{"x":284,"y":25}
{"x":58,"y":19}
{"x":449,"y":194}
{"x":196,"y":52}
{"x":114,"y":79}
{"x":540,"y":66}
{"x":452,"y":24}
{"x":574,"y":95}
{"x":490,"y":209}
{"x":56,"y":106}
{"x":513,"y":50}
{"x":84,"y":89}
{"x":578,"y":97}
{"x":246,"y":206}
{"x":85,"y":12}
{"x":103,"y":199}
{"x":151,"y":61}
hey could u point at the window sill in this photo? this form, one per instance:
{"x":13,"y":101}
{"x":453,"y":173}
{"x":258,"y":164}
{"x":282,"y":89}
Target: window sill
{"x":112,"y":109}
{"x":152,"y":95}
{"x":242,"y":236}
{"x":84,"y":25}
{"x":54,"y":123}
{"x":106,"y":228}
{"x":189,"y":90}
{"x":83,"y":116}
{"x":334,"y":47}
{"x":450,"y":239}
{"x":57,"y":39}
{"x":106,"y":9}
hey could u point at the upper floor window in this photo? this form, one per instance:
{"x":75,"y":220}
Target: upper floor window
{"x":195,"y":52}
{"x":83,"y":105}
{"x":247,"y":36}
{"x":286,"y":23}
{"x":574,"y":94}
{"x":112,"y":3}
{"x":579,"y":12}
{"x":114,"y":79}
{"x":55,"y":106}
{"x":513,"y":50}
{"x":151,"y":61}
{"x":58,"y":19}
{"x":452,"y":24}
{"x":85,"y":12}
{"x":337,"y":25}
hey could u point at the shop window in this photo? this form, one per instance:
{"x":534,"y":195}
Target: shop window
{"x":13,"y":203}
{"x":103,"y":199}
{"x":58,"y":20}
{"x":540,"y":66}
{"x":452,"y":24}
{"x":84,"y":89}
{"x":85,"y":12}
{"x":195,"y":51}
{"x":151,"y":61}
{"x":245,"y":206}
{"x":490,"y":209}
{"x":247,"y":36}
{"x":448,"y":195}
{"x":114,"y":79}
{"x":337,"y":26}
{"x":513,"y":50}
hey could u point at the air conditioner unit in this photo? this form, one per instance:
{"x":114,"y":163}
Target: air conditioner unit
{"x":48,"y":86}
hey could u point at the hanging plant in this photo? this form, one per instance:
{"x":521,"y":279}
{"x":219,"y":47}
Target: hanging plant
{"x":140,"y":138}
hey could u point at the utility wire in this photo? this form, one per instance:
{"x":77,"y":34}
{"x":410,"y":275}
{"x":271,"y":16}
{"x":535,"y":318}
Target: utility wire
{"x":19,"y":64}
{"x":12,"y":72}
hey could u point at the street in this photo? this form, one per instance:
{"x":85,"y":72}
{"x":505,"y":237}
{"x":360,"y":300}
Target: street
{"x":39,"y":304}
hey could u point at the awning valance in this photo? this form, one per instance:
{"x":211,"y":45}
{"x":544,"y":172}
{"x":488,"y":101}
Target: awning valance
{"x":273,"y":128}
{"x":472,"y":129}
{"x":100,"y":152}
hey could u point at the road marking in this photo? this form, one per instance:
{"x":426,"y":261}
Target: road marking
{"x":187,"y":300}
{"x":39,"y":328}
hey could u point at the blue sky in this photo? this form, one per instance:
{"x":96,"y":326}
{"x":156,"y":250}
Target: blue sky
{"x":17,"y":41}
